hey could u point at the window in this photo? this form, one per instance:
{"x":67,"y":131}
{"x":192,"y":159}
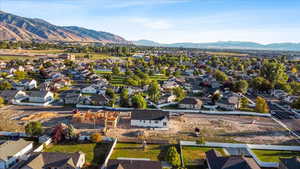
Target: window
{"x":165,"y":124}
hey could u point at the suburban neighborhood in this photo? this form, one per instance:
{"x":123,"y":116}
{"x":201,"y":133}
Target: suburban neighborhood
{"x":166,"y":108}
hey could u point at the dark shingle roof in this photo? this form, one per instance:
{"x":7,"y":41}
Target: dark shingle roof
{"x":37,"y":93}
{"x":216,"y":161}
{"x":149,"y":115}
{"x":53,"y":160}
{"x":8,"y":94}
{"x":133,"y":164}
{"x":291,"y":163}
{"x":193,"y":101}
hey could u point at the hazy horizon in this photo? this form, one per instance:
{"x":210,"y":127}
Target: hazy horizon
{"x":172,"y":21}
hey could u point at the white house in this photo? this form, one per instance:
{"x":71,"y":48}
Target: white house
{"x":150,"y":119}
{"x":89,"y":90}
{"x":10,"y":95}
{"x":26,"y":84}
{"x":40,"y":96}
{"x":12,"y":152}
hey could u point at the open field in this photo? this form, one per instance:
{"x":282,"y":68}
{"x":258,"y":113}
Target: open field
{"x":273,"y":156}
{"x":94,"y":153}
{"x":128,"y":150}
{"x":226,"y":54}
{"x":19,"y":51}
{"x":8,"y":58}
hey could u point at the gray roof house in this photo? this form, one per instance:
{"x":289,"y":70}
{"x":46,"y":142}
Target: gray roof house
{"x":216,"y":161}
{"x":55,"y":160}
{"x":40,"y":96}
{"x":10,"y":95}
{"x":289,"y":163}
{"x":133,"y":164}
{"x":190,"y":103}
{"x":13,"y":151}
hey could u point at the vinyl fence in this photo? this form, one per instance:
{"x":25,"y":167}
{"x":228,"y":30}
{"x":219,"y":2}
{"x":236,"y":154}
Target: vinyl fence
{"x":249,"y":148}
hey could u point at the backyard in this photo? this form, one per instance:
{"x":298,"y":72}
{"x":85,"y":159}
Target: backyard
{"x":273,"y":156}
{"x":194,"y":155}
{"x":128,"y":150}
{"x":94,"y":153}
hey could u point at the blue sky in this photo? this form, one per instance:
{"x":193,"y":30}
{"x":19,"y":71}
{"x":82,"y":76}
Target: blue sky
{"x":168,"y":21}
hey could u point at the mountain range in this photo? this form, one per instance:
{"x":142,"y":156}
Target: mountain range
{"x":17,"y":28}
{"x":13,"y":27}
{"x":225,"y":45}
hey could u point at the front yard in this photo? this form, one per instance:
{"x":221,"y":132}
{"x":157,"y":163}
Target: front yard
{"x":273,"y":156}
{"x":129,"y":150}
{"x":94,"y":153}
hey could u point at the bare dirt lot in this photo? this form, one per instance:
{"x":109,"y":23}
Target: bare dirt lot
{"x":243,"y":129}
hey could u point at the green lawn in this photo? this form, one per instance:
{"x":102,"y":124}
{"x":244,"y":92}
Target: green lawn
{"x":100,"y":72}
{"x":126,"y":150}
{"x":273,"y":156}
{"x":192,"y":154}
{"x":94,"y":153}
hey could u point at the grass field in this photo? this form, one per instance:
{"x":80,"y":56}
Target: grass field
{"x":94,"y":153}
{"x":126,"y":150}
{"x":192,"y":154}
{"x":273,"y":156}
{"x":8,"y":58}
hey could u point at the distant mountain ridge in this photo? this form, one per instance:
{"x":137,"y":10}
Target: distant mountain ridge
{"x":13,"y":27}
{"x":225,"y":45}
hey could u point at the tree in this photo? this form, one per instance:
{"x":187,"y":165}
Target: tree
{"x":124,"y":98}
{"x":296,"y":104}
{"x":138,"y":101}
{"x":110,"y":92}
{"x":1,"y":101}
{"x":244,"y":102}
{"x":96,"y":137}
{"x":274,"y":72}
{"x":34,"y":128}
{"x":220,"y":76}
{"x":58,"y":133}
{"x":261,"y":105}
{"x":179,"y":93}
{"x":19,"y":75}
{"x":70,"y":132}
{"x":5,"y":85}
{"x":116,"y":70}
{"x":215,"y":97}
{"x":173,"y":157}
{"x":241,"y":86}
{"x":154,"y":91}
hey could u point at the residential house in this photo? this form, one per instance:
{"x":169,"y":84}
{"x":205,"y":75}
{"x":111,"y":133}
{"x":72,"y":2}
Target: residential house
{"x":133,"y":164}
{"x":216,"y":161}
{"x":96,"y":100}
{"x":10,"y":95}
{"x":55,"y":160}
{"x":169,"y":85}
{"x":190,"y":103}
{"x":40,"y":96}
{"x":71,"y":98}
{"x":11,"y":152}
{"x":150,"y":119}
{"x":26,"y":84}
{"x":289,"y":163}
{"x":94,"y":89}
{"x":167,"y":98}
{"x":229,"y":101}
